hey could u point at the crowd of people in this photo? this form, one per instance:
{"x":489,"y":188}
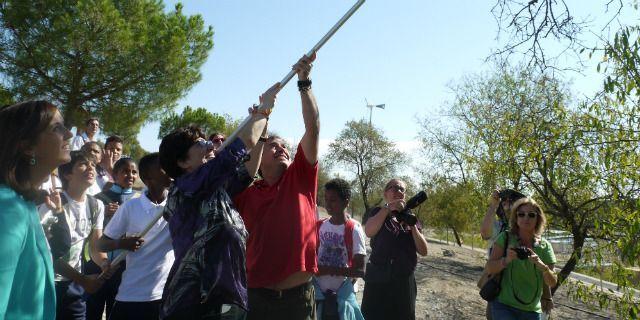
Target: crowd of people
{"x":239,"y":237}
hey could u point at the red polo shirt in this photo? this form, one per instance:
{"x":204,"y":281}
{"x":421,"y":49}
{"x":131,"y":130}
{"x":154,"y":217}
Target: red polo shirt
{"x":281,"y":220}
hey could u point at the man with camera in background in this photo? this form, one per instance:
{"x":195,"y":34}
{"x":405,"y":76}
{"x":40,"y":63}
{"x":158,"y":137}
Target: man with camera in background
{"x":495,"y":220}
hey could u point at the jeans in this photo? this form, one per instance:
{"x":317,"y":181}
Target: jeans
{"x":502,"y":311}
{"x":69,"y":300}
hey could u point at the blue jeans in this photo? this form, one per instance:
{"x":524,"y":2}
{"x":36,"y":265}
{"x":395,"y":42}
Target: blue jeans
{"x":504,"y":312}
{"x":69,"y":301}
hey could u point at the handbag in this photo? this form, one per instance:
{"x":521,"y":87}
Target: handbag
{"x":490,"y":289}
{"x":376,"y":273}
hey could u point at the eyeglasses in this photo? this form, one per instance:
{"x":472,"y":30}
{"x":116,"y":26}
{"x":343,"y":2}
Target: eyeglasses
{"x":217,"y":140}
{"x":530,"y":214}
{"x":395,"y":188}
{"x":205,"y":144}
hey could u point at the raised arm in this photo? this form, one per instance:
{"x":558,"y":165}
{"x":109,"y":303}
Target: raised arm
{"x":309,"y":141}
{"x":250,"y":133}
{"x":486,"y":229}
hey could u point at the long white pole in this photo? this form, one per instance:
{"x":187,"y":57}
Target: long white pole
{"x":291,"y":73}
{"x":234,"y":135}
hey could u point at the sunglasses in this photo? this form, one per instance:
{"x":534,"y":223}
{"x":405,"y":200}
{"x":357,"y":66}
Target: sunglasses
{"x":530,"y":214}
{"x":217,"y":140}
{"x":205,"y":144}
{"x":396,"y":188}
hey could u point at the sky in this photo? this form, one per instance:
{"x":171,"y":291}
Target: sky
{"x":401,"y":53}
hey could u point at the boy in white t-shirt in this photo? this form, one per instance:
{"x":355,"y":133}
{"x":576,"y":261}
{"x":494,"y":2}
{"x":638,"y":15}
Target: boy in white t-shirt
{"x":341,"y":255}
{"x":140,"y":293}
{"x":82,"y":217}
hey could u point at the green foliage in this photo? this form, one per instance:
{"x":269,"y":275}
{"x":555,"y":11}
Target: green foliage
{"x":451,"y":205}
{"x":517,"y":128}
{"x":365,"y":151}
{"x":124,"y":61}
{"x":200,"y":117}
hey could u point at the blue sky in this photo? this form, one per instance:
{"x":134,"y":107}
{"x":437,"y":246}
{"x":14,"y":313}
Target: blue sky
{"x":401,"y":53}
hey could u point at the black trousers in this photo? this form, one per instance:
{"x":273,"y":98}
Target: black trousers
{"x":70,"y":304}
{"x":148,"y":310}
{"x":209,"y":312}
{"x":105,"y":297}
{"x":395,"y":299}
{"x":297,"y":303}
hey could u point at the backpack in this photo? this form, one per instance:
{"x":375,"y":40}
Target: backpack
{"x":60,"y":239}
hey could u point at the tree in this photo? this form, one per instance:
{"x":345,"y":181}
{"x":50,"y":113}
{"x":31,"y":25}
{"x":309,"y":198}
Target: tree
{"x":364,"y":150}
{"x":520,"y":127}
{"x":451,"y":205}
{"x":613,"y":113}
{"x":124,"y":61}
{"x":200,"y":117}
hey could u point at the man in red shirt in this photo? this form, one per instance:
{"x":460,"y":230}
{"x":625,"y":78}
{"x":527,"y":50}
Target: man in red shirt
{"x":279,"y":212}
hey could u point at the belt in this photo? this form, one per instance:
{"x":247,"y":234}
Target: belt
{"x":281,"y":294}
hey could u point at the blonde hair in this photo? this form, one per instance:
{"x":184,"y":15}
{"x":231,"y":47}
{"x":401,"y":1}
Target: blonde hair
{"x":541,"y":220}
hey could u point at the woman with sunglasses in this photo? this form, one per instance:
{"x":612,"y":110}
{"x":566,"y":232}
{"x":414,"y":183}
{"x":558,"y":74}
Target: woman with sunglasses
{"x":34,"y":141}
{"x":528,"y":263}
{"x":208,"y":277}
{"x":217,"y":139}
{"x":390,"y":285}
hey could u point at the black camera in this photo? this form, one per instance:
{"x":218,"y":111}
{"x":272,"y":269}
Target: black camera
{"x":523,"y":252}
{"x":510,"y":194}
{"x":405,"y":215}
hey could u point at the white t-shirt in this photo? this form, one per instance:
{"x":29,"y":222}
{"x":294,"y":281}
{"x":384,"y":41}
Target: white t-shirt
{"x":47,"y":185}
{"x":147,"y":269}
{"x":79,"y":141}
{"x":333,"y":251}
{"x":79,"y":222}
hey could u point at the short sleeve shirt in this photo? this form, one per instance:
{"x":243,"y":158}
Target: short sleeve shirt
{"x":147,"y":268}
{"x":80,"y":222}
{"x":394,"y":244}
{"x":333,"y":251}
{"x":521,"y":280}
{"x":281,"y":220}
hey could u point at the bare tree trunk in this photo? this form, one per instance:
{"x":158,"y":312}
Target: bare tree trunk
{"x":458,"y":239}
{"x":578,"y":243}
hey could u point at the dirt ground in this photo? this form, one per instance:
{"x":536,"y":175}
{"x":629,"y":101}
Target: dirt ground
{"x":447,"y":288}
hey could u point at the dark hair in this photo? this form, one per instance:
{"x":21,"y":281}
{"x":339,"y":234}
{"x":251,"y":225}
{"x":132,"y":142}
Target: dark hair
{"x":67,"y":168}
{"x":146,"y":163}
{"x":175,"y":147}
{"x":341,"y":187}
{"x":120,"y":164}
{"x":113,"y":139}
{"x":274,"y":136}
{"x":216,"y":134}
{"x":85,"y":147}
{"x":21,"y":124}
{"x":86,"y":122}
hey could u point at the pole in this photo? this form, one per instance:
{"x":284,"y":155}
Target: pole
{"x":124,"y":253}
{"x":291,"y":73}
{"x":283,"y":82}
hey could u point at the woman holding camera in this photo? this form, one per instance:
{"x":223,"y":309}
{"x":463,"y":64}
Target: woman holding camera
{"x":390,"y":285}
{"x":527,"y":265}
